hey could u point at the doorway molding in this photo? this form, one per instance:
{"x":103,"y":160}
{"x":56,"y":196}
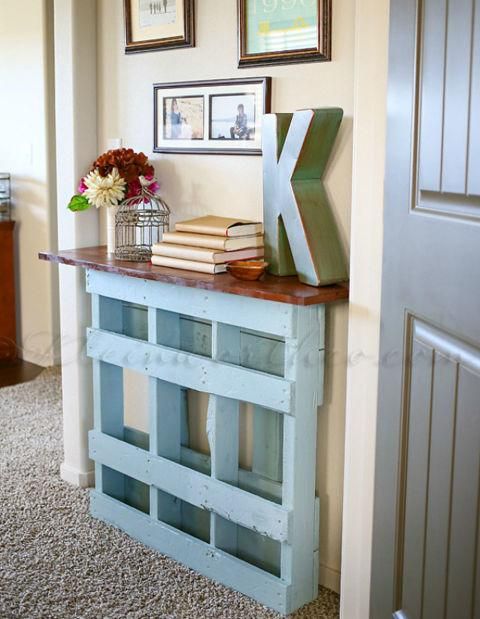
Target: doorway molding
{"x":369,"y":137}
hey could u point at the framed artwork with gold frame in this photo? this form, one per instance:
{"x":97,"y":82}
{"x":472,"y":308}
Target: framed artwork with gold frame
{"x":154,"y":25}
{"x":274,"y":32}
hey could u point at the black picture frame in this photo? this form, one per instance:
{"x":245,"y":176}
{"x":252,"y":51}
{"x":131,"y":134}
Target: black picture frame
{"x":258,"y":86}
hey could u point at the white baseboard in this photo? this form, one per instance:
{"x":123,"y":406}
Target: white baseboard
{"x":81,"y":479}
{"x":44,"y":361}
{"x":329,"y":578}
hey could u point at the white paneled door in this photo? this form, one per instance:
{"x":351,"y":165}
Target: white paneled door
{"x":426,"y":557}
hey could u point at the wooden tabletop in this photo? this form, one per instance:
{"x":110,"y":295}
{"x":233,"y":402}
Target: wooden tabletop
{"x":269,"y":287}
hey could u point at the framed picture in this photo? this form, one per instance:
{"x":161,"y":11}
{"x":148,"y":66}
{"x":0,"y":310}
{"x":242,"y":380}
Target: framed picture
{"x":283,"y":31}
{"x":215,"y":116}
{"x":153,"y":25}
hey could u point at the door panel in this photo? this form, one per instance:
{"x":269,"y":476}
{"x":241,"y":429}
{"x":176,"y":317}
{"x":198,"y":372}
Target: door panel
{"x":441,"y":446}
{"x":426,"y":537}
{"x":431,"y":92}
{"x":441,"y":476}
{"x":416,"y":486}
{"x":448,"y":108}
{"x":476,"y":598}
{"x":474,"y":142}
{"x":456,"y":104}
{"x":465,"y":485}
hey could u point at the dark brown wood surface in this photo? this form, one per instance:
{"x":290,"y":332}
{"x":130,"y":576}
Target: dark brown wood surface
{"x":270,"y":287}
{"x":8,"y":347}
{"x":17,"y":371}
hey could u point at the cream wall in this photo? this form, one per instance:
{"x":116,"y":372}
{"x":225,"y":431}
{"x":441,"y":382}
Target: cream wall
{"x":371,"y":60}
{"x":26,"y":152}
{"x":194,"y":185}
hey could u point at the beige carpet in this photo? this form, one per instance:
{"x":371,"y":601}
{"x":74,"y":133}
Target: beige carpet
{"x":57,"y":562}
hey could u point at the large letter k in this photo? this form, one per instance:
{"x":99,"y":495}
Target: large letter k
{"x":301,"y":235}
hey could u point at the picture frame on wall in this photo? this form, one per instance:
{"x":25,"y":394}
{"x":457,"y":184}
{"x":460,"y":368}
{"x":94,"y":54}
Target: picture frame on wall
{"x":211,"y":117}
{"x":155,"y":25}
{"x":273,"y":32}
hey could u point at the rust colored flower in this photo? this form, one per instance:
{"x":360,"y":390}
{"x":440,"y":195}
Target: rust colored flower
{"x":130,"y":165}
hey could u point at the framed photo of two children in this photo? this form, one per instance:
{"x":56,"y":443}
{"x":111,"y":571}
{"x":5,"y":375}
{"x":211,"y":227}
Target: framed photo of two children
{"x":215,"y":116}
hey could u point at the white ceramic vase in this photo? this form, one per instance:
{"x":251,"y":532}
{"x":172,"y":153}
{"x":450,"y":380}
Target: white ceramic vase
{"x":111,"y":212}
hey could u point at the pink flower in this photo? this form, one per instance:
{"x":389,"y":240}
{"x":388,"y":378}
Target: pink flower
{"x":154,"y":187}
{"x":81,"y":186}
{"x":134,"y":189}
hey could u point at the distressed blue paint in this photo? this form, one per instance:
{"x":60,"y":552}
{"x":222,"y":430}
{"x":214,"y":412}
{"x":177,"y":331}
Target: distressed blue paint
{"x":211,"y":562}
{"x":316,"y":553}
{"x":247,"y":480}
{"x":230,"y":502}
{"x":135,"y":321}
{"x":165,"y":414}
{"x":266,"y":316}
{"x":255,"y":531}
{"x":108,"y":394}
{"x":299,"y":453}
{"x":223,"y":434}
{"x":192,"y":371}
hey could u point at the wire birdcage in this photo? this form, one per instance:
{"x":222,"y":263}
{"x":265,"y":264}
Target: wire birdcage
{"x":139,"y":223}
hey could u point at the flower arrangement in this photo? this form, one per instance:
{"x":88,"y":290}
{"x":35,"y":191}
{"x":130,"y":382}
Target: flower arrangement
{"x":115,"y":176}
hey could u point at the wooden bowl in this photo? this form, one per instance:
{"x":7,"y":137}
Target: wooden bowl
{"x":249,"y":270}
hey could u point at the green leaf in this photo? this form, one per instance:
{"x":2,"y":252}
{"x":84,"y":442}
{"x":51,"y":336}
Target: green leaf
{"x":79,"y":203}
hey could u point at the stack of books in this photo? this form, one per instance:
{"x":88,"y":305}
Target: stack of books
{"x":208,"y":244}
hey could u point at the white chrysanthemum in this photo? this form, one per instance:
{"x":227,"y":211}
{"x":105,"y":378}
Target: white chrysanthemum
{"x":104,"y":190}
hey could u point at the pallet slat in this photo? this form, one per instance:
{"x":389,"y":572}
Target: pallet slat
{"x":108,"y":394}
{"x":165,"y":415}
{"x":247,"y":480}
{"x":268,"y":316}
{"x":194,"y":553}
{"x":299,"y":559}
{"x":223,"y":434}
{"x":191,"y":371}
{"x":229,"y":502}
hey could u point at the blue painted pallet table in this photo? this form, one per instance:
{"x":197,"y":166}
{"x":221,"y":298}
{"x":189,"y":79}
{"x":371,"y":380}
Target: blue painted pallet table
{"x":255,"y":346}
